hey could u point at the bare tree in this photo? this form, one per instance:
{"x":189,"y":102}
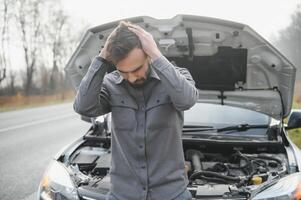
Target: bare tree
{"x":6,"y":6}
{"x":289,"y":41}
{"x":46,"y":37}
{"x":12,"y":79}
{"x":29,"y":19}
{"x":57,"y":38}
{"x":44,"y":78}
{"x":62,"y":39}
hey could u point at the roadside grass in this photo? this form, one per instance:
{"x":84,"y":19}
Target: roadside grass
{"x":295,"y":135}
{"x":19,"y":101}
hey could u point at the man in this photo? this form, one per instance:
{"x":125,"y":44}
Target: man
{"x":147,"y":96}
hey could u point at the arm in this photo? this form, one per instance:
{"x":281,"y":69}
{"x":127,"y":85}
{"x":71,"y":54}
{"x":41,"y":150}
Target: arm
{"x":92,"y":97}
{"x":178,"y":83}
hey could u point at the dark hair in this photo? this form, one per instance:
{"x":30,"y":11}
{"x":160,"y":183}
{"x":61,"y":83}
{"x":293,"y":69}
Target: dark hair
{"x":121,"y":42}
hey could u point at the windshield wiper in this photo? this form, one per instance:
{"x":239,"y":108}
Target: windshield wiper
{"x":196,"y":128}
{"x":239,"y":127}
{"x":242,"y":127}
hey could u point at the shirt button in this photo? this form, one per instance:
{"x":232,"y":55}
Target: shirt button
{"x":140,"y":146}
{"x":143,"y":167}
{"x":144,"y":188}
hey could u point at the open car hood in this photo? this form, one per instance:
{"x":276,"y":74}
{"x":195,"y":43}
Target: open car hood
{"x":230,"y":63}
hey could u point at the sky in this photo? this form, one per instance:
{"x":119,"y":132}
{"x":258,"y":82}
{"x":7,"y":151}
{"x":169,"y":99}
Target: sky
{"x":267,"y":17}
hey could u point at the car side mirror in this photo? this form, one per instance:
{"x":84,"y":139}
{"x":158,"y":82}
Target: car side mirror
{"x":294,"y":120}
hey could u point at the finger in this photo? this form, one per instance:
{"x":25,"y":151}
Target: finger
{"x":135,"y":31}
{"x":133,"y":26}
{"x":140,"y":32}
{"x":136,"y":27}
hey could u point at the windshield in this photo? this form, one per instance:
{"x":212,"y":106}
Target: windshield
{"x":205,"y":115}
{"x":222,"y":115}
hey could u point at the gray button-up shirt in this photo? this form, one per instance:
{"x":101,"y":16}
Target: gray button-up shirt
{"x":147,"y":153}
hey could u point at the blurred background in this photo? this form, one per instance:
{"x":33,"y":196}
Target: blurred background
{"x":37,"y":38}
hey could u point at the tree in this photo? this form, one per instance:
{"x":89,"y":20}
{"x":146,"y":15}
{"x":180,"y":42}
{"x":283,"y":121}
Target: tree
{"x":29,"y":17}
{"x":6,"y":7}
{"x":61,"y":38}
{"x":57,"y":42}
{"x":46,"y":38}
{"x":289,"y":40}
{"x":12,"y":79}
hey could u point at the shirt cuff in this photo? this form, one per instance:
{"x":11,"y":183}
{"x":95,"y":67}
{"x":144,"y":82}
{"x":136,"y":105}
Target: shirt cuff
{"x":103,"y":60}
{"x":95,"y":64}
{"x":92,"y":70}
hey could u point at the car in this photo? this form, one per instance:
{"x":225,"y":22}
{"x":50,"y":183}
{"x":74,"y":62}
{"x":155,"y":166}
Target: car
{"x":235,"y":139}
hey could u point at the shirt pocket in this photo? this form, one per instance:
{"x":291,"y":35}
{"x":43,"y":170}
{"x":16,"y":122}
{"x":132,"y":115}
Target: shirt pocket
{"x":161,"y":99}
{"x":123,"y":112}
{"x":160,"y":111}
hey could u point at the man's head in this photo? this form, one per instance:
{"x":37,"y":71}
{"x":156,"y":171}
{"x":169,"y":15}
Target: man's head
{"x":125,"y":52}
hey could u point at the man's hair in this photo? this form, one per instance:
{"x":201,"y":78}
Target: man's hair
{"x":121,"y":42}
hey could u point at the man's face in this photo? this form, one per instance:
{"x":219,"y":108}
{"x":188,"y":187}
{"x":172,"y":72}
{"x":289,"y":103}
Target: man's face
{"x":134,"y":67}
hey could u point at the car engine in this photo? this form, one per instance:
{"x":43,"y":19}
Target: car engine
{"x":214,"y":171}
{"x":213,"y":174}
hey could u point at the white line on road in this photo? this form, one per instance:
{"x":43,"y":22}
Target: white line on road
{"x":36,"y":122}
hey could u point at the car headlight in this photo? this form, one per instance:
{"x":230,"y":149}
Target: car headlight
{"x":287,"y":188}
{"x":57,"y":184}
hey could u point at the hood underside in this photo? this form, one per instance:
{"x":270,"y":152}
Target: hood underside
{"x":230,"y":63}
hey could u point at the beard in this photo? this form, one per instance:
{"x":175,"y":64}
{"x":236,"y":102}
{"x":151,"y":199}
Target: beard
{"x":139,"y":83}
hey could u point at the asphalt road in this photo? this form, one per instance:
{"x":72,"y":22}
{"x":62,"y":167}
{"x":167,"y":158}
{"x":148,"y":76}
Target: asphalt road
{"x":28,"y":140}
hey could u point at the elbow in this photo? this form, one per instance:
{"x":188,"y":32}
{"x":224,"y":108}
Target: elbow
{"x":84,"y":110}
{"x":188,"y":102}
{"x":78,"y":108}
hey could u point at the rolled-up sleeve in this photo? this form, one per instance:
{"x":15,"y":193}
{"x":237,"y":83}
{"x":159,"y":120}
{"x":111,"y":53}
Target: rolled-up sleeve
{"x":178,"y":83}
{"x":92,"y":97}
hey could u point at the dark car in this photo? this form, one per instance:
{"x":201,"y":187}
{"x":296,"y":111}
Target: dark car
{"x":235,"y":141}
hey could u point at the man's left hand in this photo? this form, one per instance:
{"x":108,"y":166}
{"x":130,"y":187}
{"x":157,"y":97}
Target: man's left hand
{"x":147,"y":41}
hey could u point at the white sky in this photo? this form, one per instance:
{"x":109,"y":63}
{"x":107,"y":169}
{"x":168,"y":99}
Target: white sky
{"x":264,"y":16}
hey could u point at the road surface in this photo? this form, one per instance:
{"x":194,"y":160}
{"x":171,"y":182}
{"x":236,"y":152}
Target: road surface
{"x":28,"y":140}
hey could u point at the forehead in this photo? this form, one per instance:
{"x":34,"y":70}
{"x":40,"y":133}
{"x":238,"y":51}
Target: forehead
{"x":132,"y":61}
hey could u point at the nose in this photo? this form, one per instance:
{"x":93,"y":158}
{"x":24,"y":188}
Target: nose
{"x":131,"y":77}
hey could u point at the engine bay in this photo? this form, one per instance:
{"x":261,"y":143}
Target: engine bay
{"x":233,"y":175}
{"x":213,"y":171}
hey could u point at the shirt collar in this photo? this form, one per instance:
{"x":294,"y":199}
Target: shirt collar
{"x":152,"y":74}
